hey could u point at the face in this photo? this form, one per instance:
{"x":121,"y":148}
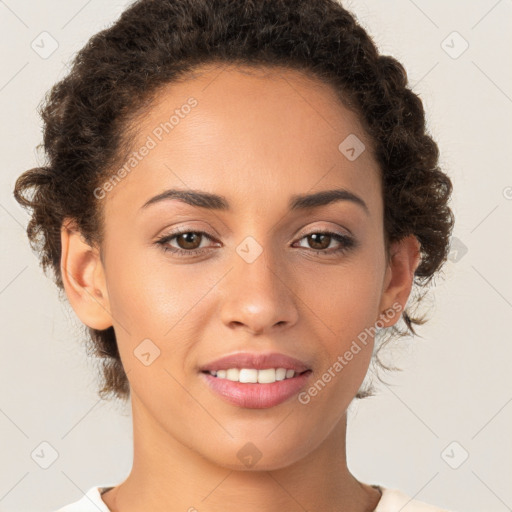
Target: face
{"x":248,"y":273}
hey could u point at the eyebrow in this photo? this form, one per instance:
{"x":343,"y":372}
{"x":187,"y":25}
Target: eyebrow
{"x":217,"y":202}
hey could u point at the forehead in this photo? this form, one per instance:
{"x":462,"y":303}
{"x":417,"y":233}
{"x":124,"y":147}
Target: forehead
{"x":261,"y":133}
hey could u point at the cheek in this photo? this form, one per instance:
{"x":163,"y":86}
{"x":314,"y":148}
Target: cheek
{"x":343,"y":304}
{"x":165,"y":303}
{"x":153,"y":310}
{"x":148,"y":295}
{"x":344,"y":297}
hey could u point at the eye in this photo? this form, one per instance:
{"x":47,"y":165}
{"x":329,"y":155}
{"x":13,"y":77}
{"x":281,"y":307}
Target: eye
{"x":189,"y":242}
{"x":319,"y":241}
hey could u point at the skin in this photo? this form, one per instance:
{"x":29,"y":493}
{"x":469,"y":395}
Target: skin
{"x":256,"y":137}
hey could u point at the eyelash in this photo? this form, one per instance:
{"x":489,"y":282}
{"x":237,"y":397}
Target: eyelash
{"x":346,"y":241}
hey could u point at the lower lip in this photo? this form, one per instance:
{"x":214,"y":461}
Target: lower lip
{"x":256,"y":396}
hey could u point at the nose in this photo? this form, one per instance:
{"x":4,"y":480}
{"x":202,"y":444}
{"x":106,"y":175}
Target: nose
{"x":259,"y":296}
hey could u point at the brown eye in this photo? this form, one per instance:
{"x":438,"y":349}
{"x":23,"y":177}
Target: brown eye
{"x":189,"y":241}
{"x":321,"y":240}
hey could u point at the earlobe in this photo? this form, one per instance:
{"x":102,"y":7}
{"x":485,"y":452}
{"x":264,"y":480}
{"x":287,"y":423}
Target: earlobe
{"x":83,"y":277}
{"x":405,"y":258}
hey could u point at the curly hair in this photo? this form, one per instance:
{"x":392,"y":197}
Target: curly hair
{"x":89,"y":121}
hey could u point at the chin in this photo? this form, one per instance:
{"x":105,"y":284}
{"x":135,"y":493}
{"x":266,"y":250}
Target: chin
{"x":265,"y":453}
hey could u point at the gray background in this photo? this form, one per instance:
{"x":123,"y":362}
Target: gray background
{"x":456,"y":384}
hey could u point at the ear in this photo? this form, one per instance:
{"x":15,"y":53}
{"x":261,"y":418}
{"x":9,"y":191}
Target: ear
{"x":405,"y":257}
{"x":84,"y":278}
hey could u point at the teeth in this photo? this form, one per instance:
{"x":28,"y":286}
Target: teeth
{"x":248,"y":375}
{"x":251,"y":375}
{"x":233,"y":374}
{"x":281,"y":374}
{"x":266,"y":376}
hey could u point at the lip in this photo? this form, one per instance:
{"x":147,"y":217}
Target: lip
{"x":256,"y":361}
{"x":255,"y":395}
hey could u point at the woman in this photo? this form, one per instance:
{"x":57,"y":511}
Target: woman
{"x":238,"y":198}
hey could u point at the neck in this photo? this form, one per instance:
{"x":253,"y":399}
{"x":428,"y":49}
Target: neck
{"x":168,"y":476}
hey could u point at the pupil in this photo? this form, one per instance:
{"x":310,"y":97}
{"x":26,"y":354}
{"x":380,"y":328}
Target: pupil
{"x":189,"y":244}
{"x":314,"y":238}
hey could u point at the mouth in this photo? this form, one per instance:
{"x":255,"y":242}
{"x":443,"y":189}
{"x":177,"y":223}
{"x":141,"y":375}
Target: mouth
{"x":250,"y":388}
{"x":255,"y":380}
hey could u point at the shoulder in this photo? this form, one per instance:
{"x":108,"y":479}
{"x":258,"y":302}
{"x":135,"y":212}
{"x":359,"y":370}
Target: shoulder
{"x":90,"y":502}
{"x":394,"y":500}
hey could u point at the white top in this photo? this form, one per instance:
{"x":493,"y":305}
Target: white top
{"x":392,"y":500}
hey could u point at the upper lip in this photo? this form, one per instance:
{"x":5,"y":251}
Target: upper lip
{"x":256,"y":361}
